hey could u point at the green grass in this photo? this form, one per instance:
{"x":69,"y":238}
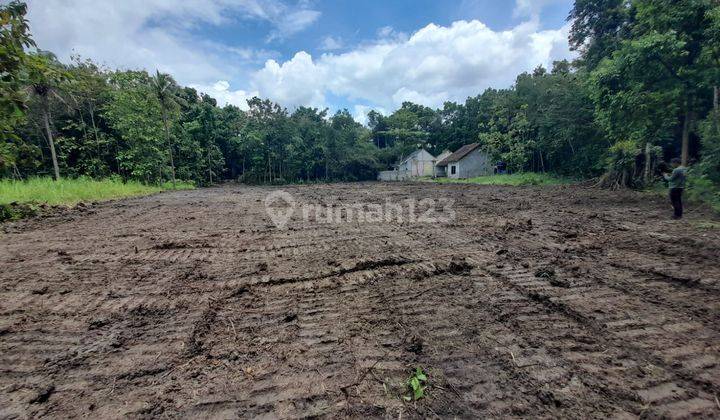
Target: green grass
{"x":70,"y":192}
{"x":707,"y":225}
{"x":527,"y":178}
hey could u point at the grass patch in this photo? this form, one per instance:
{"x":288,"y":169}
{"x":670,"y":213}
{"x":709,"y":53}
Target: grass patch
{"x":69,"y":192}
{"x":527,"y":178}
{"x":707,"y":225}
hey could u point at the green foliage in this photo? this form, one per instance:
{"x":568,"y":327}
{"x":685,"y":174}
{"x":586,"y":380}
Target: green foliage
{"x":710,"y":136}
{"x":14,"y":38}
{"x":598,"y":26}
{"x":16,"y":211}
{"x":702,"y":189}
{"x":416,"y":385}
{"x":135,"y":115}
{"x":645,"y":67}
{"x":72,"y":191}
{"x":527,"y":178}
{"x":622,"y":156}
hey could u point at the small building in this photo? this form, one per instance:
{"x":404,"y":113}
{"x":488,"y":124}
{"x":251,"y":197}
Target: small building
{"x":439,"y":171}
{"x":420,"y":163}
{"x":469,"y":161}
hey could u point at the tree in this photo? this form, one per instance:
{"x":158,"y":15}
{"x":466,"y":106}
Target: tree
{"x":46,"y":76}
{"x":135,"y":115}
{"x":14,"y":38}
{"x":656,"y":77}
{"x":598,"y":28}
{"x":163,"y":86}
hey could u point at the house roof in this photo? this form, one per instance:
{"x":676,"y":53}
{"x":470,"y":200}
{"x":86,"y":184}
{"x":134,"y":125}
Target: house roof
{"x":459,"y":154}
{"x":413,"y":155}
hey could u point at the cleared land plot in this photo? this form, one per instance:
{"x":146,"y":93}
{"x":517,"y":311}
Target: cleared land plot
{"x":534,"y":302}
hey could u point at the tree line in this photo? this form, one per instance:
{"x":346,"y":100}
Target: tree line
{"x":644,"y":89}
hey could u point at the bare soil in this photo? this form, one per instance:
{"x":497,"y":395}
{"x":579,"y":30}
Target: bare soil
{"x":535,"y":302}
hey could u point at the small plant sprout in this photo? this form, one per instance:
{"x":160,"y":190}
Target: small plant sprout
{"x":416,"y":385}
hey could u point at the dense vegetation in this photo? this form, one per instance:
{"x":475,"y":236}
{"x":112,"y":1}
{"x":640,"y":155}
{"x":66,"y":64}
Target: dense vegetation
{"x":643,"y":90}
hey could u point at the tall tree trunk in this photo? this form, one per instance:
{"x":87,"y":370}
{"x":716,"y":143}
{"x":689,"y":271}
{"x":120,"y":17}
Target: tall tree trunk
{"x":169,"y":145}
{"x":686,"y":138}
{"x":209,"y":165}
{"x":648,"y":164}
{"x":46,"y":121}
{"x":95,"y":130}
{"x":716,"y":99}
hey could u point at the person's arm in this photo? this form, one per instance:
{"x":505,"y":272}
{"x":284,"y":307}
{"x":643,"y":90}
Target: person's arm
{"x":676,"y":174}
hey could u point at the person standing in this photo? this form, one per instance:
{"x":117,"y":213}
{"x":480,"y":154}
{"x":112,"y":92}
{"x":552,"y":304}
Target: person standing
{"x":676,"y":184}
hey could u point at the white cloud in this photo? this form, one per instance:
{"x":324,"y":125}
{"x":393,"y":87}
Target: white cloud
{"x":360,"y":113}
{"x":433,"y":65}
{"x":330,"y":43}
{"x":388,"y":33}
{"x":430,"y":66}
{"x":295,"y":82}
{"x":158,"y":34}
{"x":532,"y":8}
{"x":290,"y":23}
{"x":221,"y":91}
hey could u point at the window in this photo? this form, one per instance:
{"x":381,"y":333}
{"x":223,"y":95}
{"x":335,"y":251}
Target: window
{"x":453,"y":170}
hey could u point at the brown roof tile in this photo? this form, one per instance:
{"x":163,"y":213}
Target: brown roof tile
{"x":461,"y":153}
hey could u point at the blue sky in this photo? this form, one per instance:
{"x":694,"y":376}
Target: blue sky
{"x":322,"y":53}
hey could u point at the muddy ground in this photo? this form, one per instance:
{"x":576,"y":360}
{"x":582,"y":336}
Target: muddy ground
{"x":533,"y":302}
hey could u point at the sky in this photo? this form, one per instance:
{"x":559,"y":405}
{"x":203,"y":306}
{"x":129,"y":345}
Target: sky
{"x":359,"y":55}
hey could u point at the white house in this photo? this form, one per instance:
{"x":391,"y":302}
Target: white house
{"x":418,"y":164}
{"x":468,"y":162}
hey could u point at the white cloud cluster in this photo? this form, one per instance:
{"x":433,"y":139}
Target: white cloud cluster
{"x":220,"y":90}
{"x":158,"y":34}
{"x":430,"y":66}
{"x":433,"y":65}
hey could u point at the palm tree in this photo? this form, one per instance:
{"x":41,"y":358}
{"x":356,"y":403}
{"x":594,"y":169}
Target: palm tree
{"x":162,"y":85}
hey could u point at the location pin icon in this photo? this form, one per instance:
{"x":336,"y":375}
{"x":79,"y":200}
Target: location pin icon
{"x":280,"y":216}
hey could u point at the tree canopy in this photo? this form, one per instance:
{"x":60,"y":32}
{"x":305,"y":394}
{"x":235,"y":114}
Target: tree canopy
{"x":643,"y":89}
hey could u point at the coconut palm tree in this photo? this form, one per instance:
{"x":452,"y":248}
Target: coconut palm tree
{"x":162,"y":85}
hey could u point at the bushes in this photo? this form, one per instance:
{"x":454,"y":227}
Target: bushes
{"x":710,"y":137}
{"x":621,"y":164}
{"x":701,"y":188}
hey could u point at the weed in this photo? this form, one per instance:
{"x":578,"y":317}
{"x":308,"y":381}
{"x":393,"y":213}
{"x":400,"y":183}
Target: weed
{"x":416,"y":385}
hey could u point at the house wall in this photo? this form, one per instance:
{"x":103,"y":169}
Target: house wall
{"x":394,"y":176}
{"x":475,"y":164}
{"x":441,"y":171}
{"x":420,"y":164}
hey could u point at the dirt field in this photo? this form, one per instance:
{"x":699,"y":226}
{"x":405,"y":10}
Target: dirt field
{"x":534,"y":302}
